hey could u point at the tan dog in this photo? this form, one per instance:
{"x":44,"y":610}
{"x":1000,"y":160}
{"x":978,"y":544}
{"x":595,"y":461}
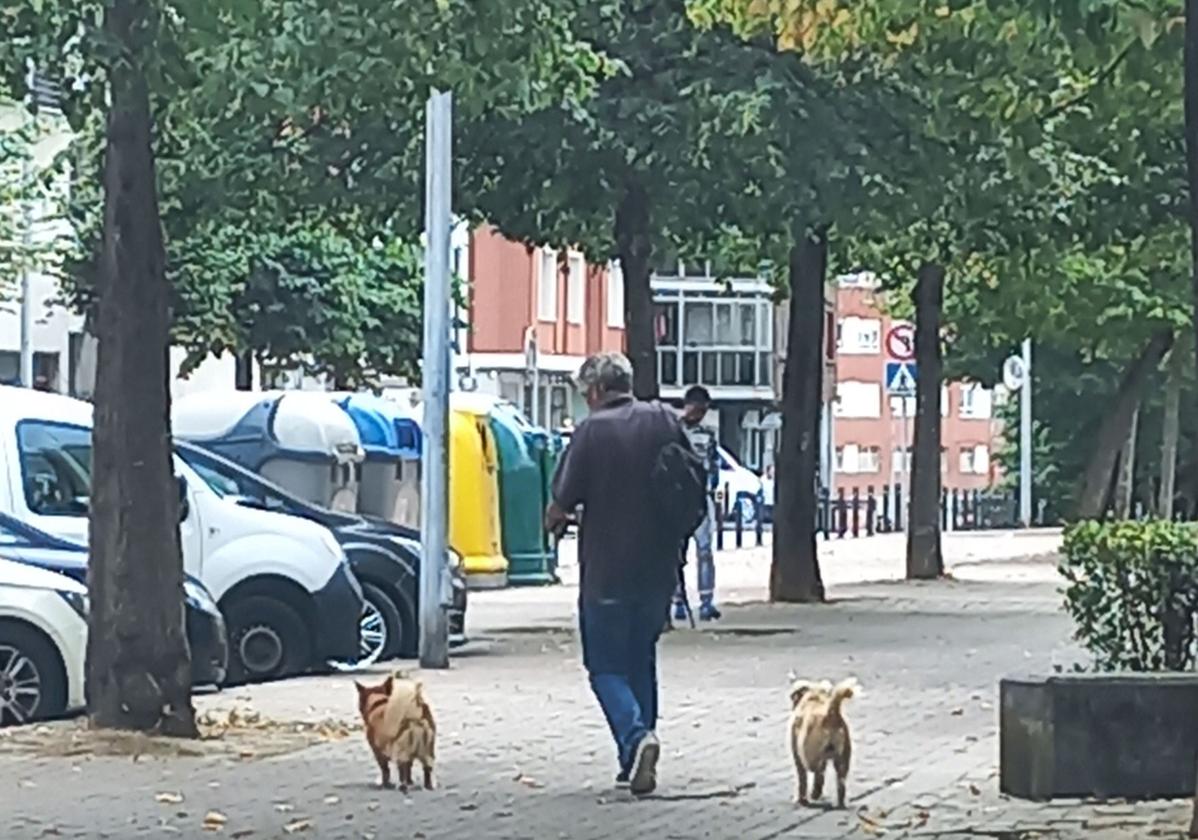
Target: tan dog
{"x":399,"y":727}
{"x":819,"y":735}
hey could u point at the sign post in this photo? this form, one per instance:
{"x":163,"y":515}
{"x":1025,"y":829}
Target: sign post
{"x":1017,"y":376}
{"x":901,"y":376}
{"x":434,"y":510}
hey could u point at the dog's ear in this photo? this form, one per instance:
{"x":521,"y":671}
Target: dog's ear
{"x":387,"y":685}
{"x":362,"y":690}
{"x":798,"y":689}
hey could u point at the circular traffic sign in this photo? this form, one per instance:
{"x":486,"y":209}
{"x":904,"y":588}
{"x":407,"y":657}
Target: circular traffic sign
{"x":900,"y":342}
{"x":1013,"y":373}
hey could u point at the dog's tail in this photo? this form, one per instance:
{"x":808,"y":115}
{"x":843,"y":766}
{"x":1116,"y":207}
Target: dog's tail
{"x":842,"y":691}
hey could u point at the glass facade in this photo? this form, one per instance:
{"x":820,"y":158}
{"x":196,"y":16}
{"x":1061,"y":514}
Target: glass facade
{"x":713,"y":340}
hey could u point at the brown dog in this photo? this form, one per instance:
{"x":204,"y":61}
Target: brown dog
{"x":819,"y":735}
{"x":399,"y":727}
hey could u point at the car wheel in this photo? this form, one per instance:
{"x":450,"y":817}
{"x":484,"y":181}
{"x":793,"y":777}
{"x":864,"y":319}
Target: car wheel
{"x":267,"y":640}
{"x":382,"y":626}
{"x":32,"y":682}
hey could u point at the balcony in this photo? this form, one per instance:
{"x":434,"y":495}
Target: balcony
{"x":716,"y":334}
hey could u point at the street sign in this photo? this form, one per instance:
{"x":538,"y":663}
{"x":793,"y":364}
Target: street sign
{"x":1014,"y":373}
{"x":901,"y":378}
{"x":900,"y":342}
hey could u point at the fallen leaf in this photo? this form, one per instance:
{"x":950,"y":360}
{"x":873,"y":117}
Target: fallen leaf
{"x":214,"y":821}
{"x":169,"y":798}
{"x":958,"y":712}
{"x":296,"y":826}
{"x":467,"y":806}
{"x":242,"y":833}
{"x":974,"y":789}
{"x":332,"y":799}
{"x":529,"y":781}
{"x":284,"y":808}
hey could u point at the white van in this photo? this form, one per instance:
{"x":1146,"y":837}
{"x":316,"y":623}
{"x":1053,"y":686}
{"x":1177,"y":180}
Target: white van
{"x":288,"y":596}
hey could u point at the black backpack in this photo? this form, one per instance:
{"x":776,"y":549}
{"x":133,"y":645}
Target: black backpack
{"x":679,"y":484}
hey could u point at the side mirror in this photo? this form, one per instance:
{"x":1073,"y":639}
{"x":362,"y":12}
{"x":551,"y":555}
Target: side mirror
{"x":184,"y":505}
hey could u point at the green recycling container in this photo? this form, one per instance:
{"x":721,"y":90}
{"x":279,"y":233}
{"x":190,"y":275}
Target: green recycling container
{"x":549,"y":449}
{"x":532,"y":558}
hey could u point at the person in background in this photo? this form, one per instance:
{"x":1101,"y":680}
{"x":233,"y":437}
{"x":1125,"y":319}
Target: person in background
{"x":627,"y":561}
{"x":696,"y":404}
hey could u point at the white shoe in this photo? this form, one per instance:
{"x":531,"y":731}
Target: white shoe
{"x":643,"y":780}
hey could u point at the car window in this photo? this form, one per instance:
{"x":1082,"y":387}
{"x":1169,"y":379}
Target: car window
{"x":55,"y":467}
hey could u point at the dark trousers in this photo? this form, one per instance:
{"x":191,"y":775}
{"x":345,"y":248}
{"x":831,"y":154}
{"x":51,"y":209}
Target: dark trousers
{"x":619,"y":651}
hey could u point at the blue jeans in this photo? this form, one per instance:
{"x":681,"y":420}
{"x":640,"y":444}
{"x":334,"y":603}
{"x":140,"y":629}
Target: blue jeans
{"x":705,"y":554}
{"x":619,"y":651}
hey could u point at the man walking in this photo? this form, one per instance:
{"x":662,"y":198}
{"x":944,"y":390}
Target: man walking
{"x":696,"y":404}
{"x":627,"y":559}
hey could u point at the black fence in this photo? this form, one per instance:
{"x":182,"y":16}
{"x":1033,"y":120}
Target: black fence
{"x":857,"y":513}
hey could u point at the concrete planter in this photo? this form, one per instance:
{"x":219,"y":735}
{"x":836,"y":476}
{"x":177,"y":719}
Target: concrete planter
{"x":1099,"y":735}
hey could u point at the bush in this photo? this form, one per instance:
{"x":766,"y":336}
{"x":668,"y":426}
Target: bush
{"x":1132,"y":591}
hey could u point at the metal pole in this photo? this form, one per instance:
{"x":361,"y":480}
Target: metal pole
{"x":906,"y":476}
{"x":1025,"y":438}
{"x":434,"y":511}
{"x":26,"y":280}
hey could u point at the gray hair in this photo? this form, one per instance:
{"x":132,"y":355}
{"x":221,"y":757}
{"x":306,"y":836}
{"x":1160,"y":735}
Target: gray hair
{"x":609,"y":373}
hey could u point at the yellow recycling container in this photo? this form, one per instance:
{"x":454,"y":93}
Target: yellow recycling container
{"x":474,"y":529}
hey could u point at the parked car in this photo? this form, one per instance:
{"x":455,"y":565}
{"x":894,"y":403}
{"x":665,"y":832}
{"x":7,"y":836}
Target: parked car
{"x":385,"y":556}
{"x":283,"y":584}
{"x":205,"y":624}
{"x":43,"y":641}
{"x":741,"y":484}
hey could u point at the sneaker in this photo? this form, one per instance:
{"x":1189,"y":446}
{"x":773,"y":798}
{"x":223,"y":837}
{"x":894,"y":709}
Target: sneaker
{"x":622,"y":782}
{"x":643,"y":779}
{"x":680,"y":612}
{"x":708,"y":612}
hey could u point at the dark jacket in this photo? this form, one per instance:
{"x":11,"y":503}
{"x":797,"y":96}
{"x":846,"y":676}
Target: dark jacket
{"x":605,"y":470}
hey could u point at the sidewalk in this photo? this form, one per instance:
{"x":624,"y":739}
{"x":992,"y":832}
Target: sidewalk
{"x":524,"y":752}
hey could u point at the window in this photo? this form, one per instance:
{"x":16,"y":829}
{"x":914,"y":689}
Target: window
{"x":547,"y":286}
{"x":869,"y":459}
{"x":55,"y":467}
{"x":858,"y":399}
{"x":976,"y":402}
{"x":615,"y":295}
{"x":900,"y":460}
{"x":860,"y":336}
{"x":576,"y":289}
{"x":975,"y":460}
{"x":248,"y":489}
{"x":853,"y":459}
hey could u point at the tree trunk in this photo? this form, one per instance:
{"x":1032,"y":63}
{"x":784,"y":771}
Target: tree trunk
{"x":138,"y":664}
{"x":243,"y":373}
{"x":795,"y":574}
{"x":1126,"y":482}
{"x":634,"y":246}
{"x":924,"y":559}
{"x":1170,"y":431}
{"x":1094,"y":497}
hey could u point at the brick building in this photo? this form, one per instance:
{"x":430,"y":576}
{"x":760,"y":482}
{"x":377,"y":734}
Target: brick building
{"x":872,"y":430}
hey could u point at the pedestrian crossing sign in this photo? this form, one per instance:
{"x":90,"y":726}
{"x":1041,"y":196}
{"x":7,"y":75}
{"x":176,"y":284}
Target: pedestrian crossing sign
{"x":900,"y":378}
